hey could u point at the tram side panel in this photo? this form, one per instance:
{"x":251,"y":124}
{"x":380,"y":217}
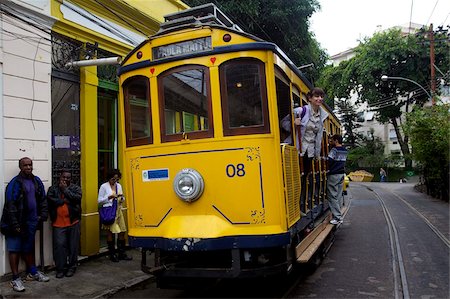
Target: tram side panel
{"x":242,"y":193}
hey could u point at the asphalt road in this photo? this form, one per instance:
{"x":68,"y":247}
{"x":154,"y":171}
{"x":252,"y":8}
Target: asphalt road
{"x":394,"y":243}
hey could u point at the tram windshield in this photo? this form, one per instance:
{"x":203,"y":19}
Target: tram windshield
{"x":185,"y":96}
{"x":244,"y":106}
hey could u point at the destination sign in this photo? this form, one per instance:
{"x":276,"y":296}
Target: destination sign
{"x":185,"y":47}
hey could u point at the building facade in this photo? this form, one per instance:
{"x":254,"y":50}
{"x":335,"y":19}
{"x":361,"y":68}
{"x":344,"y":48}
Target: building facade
{"x":369,"y":126}
{"x":59,"y":115}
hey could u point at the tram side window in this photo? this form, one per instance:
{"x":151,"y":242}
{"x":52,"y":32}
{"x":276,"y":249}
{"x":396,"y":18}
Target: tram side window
{"x":137,"y":111}
{"x":284,"y":105}
{"x":185,"y":102}
{"x":244,"y":100}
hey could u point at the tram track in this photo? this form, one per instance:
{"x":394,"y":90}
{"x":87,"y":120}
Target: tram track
{"x":430,"y":225}
{"x":398,"y":266}
{"x":405,"y":271}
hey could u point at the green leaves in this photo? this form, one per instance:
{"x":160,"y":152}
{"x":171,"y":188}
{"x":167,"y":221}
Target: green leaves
{"x":282,"y":22}
{"x":429,"y":130}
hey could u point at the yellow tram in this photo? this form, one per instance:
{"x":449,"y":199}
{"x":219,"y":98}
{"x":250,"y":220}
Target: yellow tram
{"x":211,"y":188}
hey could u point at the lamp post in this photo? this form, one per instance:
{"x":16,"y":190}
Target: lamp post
{"x":386,"y":78}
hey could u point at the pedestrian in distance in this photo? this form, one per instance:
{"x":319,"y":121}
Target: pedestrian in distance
{"x":382,"y":175}
{"x":335,"y":177}
{"x":311,"y":119}
{"x":64,"y":203}
{"x":24,"y":212}
{"x":108,"y":192}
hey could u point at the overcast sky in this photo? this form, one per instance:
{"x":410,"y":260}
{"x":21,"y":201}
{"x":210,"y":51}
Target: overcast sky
{"x":340,"y":23}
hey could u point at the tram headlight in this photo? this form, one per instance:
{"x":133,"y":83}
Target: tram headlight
{"x":188,"y":185}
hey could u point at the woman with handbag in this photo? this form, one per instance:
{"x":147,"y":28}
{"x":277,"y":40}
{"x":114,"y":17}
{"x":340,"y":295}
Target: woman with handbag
{"x":110,"y":200}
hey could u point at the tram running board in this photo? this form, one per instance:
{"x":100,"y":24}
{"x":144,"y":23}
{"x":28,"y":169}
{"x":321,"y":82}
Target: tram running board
{"x":306,"y":249}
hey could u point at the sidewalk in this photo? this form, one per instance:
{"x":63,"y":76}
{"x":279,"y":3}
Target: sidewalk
{"x":96,"y":277}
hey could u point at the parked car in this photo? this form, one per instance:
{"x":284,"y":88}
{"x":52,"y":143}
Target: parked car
{"x":346,"y":184}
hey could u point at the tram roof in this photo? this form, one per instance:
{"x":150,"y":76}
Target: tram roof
{"x":209,"y":16}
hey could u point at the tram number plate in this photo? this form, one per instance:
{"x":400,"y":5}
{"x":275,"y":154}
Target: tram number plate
{"x":235,"y":170}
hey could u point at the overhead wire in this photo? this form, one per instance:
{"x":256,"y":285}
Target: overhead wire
{"x":443,"y":23}
{"x":33,"y":84}
{"x":114,"y":13}
{"x":101,"y":23}
{"x":437,"y":1}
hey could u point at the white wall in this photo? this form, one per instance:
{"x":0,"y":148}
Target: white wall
{"x":25,"y":98}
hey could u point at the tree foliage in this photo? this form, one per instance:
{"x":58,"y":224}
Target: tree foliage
{"x":282,"y":22}
{"x":387,"y":53}
{"x":429,"y":130}
{"x":370,"y":154}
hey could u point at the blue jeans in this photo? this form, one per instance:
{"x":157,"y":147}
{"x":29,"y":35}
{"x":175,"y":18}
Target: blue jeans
{"x":24,"y":242}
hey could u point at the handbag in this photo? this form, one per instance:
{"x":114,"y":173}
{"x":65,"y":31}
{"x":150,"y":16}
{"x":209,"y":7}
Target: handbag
{"x":108,"y":214}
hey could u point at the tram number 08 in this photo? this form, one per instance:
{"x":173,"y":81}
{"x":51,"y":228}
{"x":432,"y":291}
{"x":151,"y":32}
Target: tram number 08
{"x":235,"y":170}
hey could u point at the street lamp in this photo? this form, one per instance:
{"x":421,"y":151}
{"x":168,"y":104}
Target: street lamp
{"x":385,"y":78}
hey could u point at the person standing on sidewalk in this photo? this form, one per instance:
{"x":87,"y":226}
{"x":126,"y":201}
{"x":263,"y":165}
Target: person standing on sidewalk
{"x":64,"y":202}
{"x":24,"y":212}
{"x":335,"y":177}
{"x":109,"y":191}
{"x":382,"y":175}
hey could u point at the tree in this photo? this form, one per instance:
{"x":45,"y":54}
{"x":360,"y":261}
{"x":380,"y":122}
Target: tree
{"x":349,"y":117}
{"x":333,"y":81}
{"x":284,"y":23}
{"x":429,"y":128}
{"x":369,"y":154}
{"x":396,"y":55}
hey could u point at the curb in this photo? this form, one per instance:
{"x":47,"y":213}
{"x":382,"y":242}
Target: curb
{"x":125,"y":285}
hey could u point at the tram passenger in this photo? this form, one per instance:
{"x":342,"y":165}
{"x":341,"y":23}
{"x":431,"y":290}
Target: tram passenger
{"x":109,"y":191}
{"x":311,"y":120}
{"x":335,"y":177}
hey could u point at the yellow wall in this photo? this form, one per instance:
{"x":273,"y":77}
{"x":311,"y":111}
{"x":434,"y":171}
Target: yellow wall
{"x":89,"y":160}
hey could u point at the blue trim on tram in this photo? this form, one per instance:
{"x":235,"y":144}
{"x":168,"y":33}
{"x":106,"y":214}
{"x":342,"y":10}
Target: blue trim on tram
{"x":193,"y":244}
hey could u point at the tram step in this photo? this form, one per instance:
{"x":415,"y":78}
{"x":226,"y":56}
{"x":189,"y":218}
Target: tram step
{"x":306,"y":249}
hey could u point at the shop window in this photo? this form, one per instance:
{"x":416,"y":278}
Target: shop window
{"x":185,"y":103}
{"x":137,"y":111}
{"x":244,"y":99}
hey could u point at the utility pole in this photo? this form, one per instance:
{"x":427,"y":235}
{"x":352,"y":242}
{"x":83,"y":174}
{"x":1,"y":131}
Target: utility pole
{"x":433,"y":74}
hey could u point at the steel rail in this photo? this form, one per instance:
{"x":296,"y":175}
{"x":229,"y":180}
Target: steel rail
{"x":396,"y":250}
{"x":430,"y":225}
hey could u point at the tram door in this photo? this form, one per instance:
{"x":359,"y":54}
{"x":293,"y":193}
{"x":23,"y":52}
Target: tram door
{"x":107,"y":139}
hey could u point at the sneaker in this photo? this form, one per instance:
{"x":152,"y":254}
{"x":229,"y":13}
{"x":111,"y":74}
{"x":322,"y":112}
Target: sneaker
{"x":17,"y":285}
{"x":39,"y":276}
{"x":335,"y":222}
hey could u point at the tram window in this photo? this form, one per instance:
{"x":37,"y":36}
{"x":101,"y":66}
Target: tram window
{"x":284,"y":104}
{"x":244,"y":100}
{"x":137,"y":111}
{"x":186,"y":105}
